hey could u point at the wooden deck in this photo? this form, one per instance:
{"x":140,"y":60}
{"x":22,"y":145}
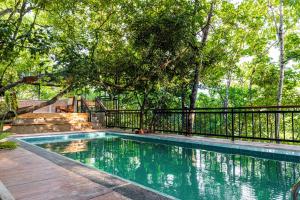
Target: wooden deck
{"x":41,"y":175}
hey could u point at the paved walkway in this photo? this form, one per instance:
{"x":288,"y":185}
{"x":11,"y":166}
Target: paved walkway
{"x":28,"y":176}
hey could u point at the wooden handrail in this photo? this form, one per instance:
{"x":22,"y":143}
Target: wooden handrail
{"x":99,"y":103}
{"x":85,"y":104}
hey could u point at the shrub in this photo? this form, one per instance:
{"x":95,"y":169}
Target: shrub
{"x":4,"y":135}
{"x":8,"y":145}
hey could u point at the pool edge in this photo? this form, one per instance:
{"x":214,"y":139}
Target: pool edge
{"x":53,"y":155}
{"x":253,"y":147}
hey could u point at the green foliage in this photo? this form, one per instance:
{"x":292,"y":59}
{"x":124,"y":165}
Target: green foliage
{"x":146,"y":51}
{"x":9,"y":145}
{"x":4,"y":135}
{"x":6,"y":144}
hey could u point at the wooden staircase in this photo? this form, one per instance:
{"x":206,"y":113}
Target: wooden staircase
{"x":96,"y":109}
{"x":50,"y":122}
{"x":98,"y":120}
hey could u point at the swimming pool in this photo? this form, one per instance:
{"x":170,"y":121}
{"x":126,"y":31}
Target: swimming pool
{"x":182,"y":169}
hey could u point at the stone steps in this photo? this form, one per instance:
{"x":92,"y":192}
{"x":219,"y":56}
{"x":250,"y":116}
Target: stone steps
{"x":45,"y":121}
{"x":50,"y":122}
{"x":49,"y":116}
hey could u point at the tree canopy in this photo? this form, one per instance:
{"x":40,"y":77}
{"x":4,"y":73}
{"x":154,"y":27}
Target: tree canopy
{"x":153,"y":54}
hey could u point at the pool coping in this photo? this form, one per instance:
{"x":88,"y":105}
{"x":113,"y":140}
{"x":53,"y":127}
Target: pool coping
{"x":4,"y":193}
{"x":129,"y":189}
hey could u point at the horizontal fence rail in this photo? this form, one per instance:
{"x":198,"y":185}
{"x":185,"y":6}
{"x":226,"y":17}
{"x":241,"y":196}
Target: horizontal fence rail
{"x":258,"y":123}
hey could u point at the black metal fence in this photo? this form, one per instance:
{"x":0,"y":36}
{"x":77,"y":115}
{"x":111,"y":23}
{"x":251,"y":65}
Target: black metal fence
{"x":257,"y":123}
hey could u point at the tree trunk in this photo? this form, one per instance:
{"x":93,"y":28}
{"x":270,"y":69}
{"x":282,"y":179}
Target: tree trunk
{"x":193,"y":99}
{"x":281,"y":58}
{"x":183,"y":95}
{"x":228,"y":84}
{"x":142,"y":111}
{"x":196,"y":79}
{"x":250,"y":92}
{"x":184,"y":109}
{"x":282,"y":67}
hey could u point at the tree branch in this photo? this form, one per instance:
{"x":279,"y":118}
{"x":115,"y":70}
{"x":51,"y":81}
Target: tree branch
{"x":29,"y":109}
{"x":274,"y":18}
{"x":24,"y":80}
{"x":6,"y":11}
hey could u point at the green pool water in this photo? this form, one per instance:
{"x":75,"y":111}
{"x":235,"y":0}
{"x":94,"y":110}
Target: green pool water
{"x":181,"y":172}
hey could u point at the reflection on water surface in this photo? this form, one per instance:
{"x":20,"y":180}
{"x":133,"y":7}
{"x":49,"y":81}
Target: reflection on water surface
{"x":185,"y":173}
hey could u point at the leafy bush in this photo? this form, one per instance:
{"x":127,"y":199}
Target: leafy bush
{"x":9,"y":105}
{"x":4,"y":135}
{"x":8,"y":145}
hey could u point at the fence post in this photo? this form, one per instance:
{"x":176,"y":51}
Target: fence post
{"x":154,"y":122}
{"x":232,"y":125}
{"x":81,"y":104}
{"x":186,"y":120}
{"x":277,"y":125}
{"x":106,"y":118}
{"x":90,"y":116}
{"x":77,"y":105}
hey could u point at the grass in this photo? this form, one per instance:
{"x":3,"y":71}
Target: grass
{"x":8,"y":145}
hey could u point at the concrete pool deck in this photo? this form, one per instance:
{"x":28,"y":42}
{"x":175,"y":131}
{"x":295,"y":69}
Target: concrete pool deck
{"x":30,"y":172}
{"x":28,"y":176}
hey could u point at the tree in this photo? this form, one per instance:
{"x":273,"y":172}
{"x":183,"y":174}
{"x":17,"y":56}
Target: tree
{"x":153,"y":54}
{"x":36,"y":48}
